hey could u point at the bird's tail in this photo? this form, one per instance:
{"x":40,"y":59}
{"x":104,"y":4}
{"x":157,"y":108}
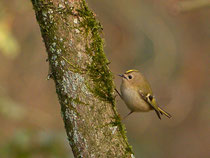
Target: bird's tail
{"x":164,"y":112}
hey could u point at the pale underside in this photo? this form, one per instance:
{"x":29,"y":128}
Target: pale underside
{"x":134,"y":101}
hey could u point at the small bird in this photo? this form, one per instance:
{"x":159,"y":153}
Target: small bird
{"x":137,"y":94}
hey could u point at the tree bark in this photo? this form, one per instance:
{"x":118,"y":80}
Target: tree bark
{"x":84,"y":83}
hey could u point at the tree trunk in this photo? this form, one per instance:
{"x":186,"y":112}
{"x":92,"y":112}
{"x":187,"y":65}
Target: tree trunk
{"x":84,"y":83}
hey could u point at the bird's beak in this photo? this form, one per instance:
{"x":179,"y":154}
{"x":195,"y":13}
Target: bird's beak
{"x":121,"y":75}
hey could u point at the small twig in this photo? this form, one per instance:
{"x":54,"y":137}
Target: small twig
{"x":118,"y":93}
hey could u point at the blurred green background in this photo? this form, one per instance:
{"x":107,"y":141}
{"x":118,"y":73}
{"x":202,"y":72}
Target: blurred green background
{"x":169,"y":41}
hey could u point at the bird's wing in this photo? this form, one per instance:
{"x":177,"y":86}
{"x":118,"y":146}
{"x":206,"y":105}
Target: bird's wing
{"x":149,"y":99}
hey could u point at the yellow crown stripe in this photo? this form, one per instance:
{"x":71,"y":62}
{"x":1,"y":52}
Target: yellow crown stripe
{"x":131,"y":71}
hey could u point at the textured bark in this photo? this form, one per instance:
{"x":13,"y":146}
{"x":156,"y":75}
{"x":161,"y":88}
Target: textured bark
{"x":84,"y":83}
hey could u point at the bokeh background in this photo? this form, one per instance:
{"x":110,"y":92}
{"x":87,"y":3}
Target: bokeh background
{"x":168,"y":41}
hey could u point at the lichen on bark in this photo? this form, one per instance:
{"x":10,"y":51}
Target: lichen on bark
{"x":84,"y":83}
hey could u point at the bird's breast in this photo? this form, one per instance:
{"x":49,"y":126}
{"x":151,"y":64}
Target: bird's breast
{"x":133,"y":100}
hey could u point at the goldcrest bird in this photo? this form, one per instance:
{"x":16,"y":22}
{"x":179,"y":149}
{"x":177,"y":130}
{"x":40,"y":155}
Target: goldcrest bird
{"x":137,"y":94}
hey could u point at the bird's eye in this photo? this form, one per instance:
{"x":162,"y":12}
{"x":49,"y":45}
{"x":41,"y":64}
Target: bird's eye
{"x":130,"y":77}
{"x":150,"y":97}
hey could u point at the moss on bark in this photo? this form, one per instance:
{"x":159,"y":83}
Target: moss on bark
{"x":84,"y":83}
